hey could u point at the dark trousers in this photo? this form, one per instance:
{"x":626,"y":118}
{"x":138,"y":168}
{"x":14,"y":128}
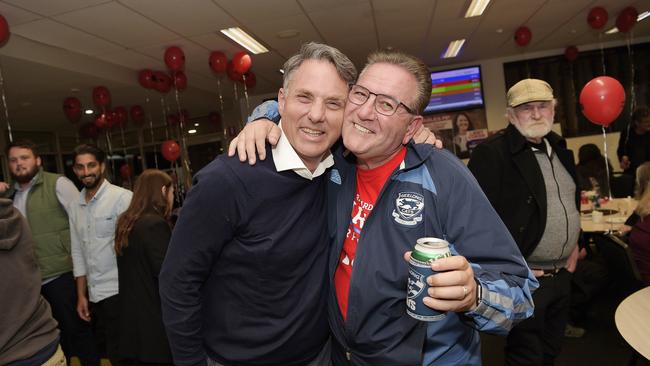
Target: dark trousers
{"x":104,"y":315}
{"x":538,"y":340}
{"x":76,"y":334}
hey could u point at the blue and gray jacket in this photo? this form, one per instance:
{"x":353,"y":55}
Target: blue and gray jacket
{"x":432,"y":194}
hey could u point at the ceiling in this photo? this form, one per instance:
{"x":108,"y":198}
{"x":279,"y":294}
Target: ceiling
{"x":66,"y":47}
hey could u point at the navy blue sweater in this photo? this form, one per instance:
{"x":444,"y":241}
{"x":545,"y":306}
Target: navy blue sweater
{"x":244,"y":280}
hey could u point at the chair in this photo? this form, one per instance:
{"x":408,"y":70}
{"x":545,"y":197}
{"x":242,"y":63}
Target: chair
{"x":621,"y":262}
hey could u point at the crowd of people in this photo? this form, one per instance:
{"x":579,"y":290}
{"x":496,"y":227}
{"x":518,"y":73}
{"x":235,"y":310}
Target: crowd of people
{"x":300,"y":257}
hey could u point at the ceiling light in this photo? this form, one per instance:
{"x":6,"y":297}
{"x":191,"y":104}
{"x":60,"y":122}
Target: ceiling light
{"x":244,"y":40}
{"x":89,"y":111}
{"x":281,"y":71}
{"x":196,"y":125}
{"x":454,"y":48}
{"x":191,"y":131}
{"x":476,"y":8}
{"x":288,"y":33}
{"x":612,"y":31}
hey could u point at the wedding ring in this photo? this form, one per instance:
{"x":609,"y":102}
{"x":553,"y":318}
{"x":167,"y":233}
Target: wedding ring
{"x":465,"y":291}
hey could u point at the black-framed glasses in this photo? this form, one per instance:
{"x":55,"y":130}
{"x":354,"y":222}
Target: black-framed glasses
{"x":384,"y":104}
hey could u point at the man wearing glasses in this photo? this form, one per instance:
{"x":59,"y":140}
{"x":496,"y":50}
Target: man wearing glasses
{"x":380,"y":201}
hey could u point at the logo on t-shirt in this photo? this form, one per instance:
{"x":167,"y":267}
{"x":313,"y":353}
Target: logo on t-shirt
{"x":408,"y":208}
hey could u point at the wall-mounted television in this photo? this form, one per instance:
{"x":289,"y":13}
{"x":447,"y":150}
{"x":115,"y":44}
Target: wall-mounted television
{"x":455,"y":89}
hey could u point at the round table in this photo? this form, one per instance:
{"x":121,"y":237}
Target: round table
{"x":632,"y":319}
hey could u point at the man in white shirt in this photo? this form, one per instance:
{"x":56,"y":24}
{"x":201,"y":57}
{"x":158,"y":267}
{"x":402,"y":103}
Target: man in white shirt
{"x":92,"y":231}
{"x":43,"y":199}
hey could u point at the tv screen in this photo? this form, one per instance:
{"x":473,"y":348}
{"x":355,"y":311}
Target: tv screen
{"x":455,"y":89}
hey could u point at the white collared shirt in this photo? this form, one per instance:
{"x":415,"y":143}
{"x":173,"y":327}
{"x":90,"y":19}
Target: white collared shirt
{"x":286,"y":158}
{"x":92,"y":235}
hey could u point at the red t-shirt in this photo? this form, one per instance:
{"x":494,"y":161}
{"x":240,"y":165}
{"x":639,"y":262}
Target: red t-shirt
{"x":369,"y":184}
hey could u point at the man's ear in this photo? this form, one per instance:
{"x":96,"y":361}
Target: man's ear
{"x":281,"y":100}
{"x":38,"y":161}
{"x":412,"y":128}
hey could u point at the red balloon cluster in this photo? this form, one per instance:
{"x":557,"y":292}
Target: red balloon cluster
{"x":597,"y":17}
{"x":236,"y":68}
{"x":627,"y":19}
{"x":88,"y":131}
{"x":4,"y":30}
{"x":72,"y":109}
{"x":170,"y":150}
{"x":102,"y":120}
{"x":162,"y":82}
{"x":101,"y":97}
{"x":523,"y":35}
{"x":571,"y":53}
{"x":137,"y":114}
{"x":146,"y":79}
{"x":602,"y":100}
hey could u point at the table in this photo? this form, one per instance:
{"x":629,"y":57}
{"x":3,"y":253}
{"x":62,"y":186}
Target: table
{"x":614,"y":222}
{"x":632,"y":318}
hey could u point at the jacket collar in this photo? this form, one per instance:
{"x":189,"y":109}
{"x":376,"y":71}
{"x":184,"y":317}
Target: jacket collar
{"x":517,"y":142}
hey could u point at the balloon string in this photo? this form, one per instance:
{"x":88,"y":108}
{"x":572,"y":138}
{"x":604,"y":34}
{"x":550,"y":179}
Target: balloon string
{"x":164,"y":113}
{"x":220,"y":96}
{"x":153,"y":140}
{"x":185,"y":158}
{"x":609,"y":190}
{"x":4,"y":105}
{"x":248,"y":107}
{"x":602,"y":52}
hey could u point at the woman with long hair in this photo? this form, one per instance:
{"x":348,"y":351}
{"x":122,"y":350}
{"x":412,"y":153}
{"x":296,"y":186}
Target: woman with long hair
{"x":640,"y":234}
{"x":461,"y":125}
{"x":141,"y":239}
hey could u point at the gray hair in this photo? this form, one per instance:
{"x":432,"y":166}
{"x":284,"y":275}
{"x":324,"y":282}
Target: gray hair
{"x":413,"y":66}
{"x":318,"y":51}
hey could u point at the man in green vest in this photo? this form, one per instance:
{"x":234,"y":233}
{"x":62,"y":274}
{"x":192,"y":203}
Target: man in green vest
{"x":43,"y":199}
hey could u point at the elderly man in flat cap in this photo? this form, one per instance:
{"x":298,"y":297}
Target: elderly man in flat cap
{"x":528,"y":175}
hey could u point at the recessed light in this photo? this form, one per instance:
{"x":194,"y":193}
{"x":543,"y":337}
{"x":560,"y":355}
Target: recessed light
{"x":281,"y":71}
{"x":89,"y":111}
{"x":75,"y":90}
{"x":500,"y":30}
{"x":191,"y":131}
{"x":196,"y":125}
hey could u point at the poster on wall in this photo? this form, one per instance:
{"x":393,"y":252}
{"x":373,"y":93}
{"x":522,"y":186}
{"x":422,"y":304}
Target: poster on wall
{"x":460,"y":131}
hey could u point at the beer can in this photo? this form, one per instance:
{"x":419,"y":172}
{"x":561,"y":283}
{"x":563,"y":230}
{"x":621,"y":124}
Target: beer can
{"x":425,"y":252}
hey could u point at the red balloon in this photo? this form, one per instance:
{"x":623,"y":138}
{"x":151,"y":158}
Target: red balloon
{"x":101,"y":121}
{"x":4,"y":30}
{"x":163,"y":82}
{"x":145,"y":78}
{"x":626,"y":19}
{"x":122,"y":116}
{"x":571,"y":53}
{"x":523,"y":36}
{"x":137,"y":114}
{"x":101,"y":96}
{"x":172,"y":119}
{"x":250,"y":79}
{"x":602,"y":100}
{"x":233,"y":74}
{"x":242,"y":62}
{"x":215,"y":121}
{"x":597,"y":17}
{"x":72,"y":109}
{"x":126,"y":171}
{"x":174,"y":58}
{"x":180,"y":80}
{"x":112,"y":119}
{"x":218,"y":62}
{"x":170,"y":150}
{"x":89,"y":131}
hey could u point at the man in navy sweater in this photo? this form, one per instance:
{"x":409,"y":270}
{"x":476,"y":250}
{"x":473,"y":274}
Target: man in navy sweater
{"x":244,"y":283}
